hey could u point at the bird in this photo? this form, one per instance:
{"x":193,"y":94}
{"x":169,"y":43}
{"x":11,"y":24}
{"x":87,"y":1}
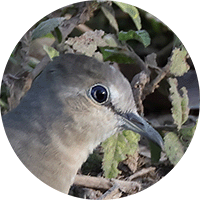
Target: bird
{"x":76,"y":103}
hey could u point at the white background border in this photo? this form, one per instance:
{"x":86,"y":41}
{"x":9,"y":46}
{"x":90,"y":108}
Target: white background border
{"x":17,"y":17}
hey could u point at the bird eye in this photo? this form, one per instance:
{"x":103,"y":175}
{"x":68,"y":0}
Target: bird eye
{"x":99,"y":93}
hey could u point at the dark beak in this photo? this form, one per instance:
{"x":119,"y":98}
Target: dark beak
{"x":137,"y":124}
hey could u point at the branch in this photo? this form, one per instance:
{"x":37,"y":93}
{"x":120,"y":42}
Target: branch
{"x":138,"y":84}
{"x":93,"y":182}
{"x":113,"y":193}
{"x":129,"y":187}
{"x":85,"y":10}
{"x":138,"y":61}
{"x":40,"y":66}
{"x":142,"y":172}
{"x":18,"y":86}
{"x":141,"y":84}
{"x":150,"y":88}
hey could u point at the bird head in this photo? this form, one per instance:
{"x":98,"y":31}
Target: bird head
{"x":97,"y":98}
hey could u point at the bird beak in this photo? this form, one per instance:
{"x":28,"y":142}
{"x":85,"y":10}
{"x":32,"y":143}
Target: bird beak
{"x":137,"y":124}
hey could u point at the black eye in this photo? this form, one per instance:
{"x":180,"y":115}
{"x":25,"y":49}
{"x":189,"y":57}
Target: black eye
{"x":99,"y":93}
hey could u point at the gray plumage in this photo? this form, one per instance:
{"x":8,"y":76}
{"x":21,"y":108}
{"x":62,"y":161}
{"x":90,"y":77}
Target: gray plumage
{"x":58,"y":124}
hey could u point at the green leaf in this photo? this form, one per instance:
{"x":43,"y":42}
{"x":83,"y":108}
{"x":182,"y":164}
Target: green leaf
{"x":110,"y":15}
{"x":155,"y":152}
{"x":120,"y":58}
{"x":188,"y":132}
{"x":179,"y":108}
{"x":107,"y":52}
{"x":3,"y":104}
{"x":184,"y":105}
{"x":46,"y":27}
{"x":58,"y":34}
{"x":115,"y":150}
{"x":179,"y":65}
{"x":51,"y":51}
{"x":142,"y":36}
{"x":186,"y":135}
{"x":114,"y":55}
{"x":173,"y":147}
{"x":132,"y":11}
{"x":111,"y":40}
{"x":49,"y":35}
{"x":33,"y":62}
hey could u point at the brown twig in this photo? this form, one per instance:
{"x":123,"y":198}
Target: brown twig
{"x":150,"y":88}
{"x":137,"y":84}
{"x":18,"y":86}
{"x":141,"y":84}
{"x":81,"y":27}
{"x":93,"y":182}
{"x":129,"y":187}
{"x":142,"y":172}
{"x":113,"y":193}
{"x":84,"y":12}
{"x":137,"y":60}
{"x":40,"y":66}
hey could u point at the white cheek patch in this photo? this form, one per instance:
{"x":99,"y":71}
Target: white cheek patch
{"x":113,"y":67}
{"x":120,"y":100}
{"x":114,"y":94}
